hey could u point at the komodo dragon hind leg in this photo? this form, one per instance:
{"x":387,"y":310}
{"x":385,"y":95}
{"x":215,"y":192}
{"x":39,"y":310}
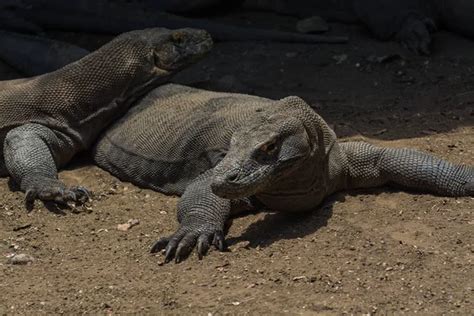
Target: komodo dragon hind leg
{"x":32,"y":154}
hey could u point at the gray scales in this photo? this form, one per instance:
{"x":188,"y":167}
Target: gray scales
{"x":225,"y":153}
{"x":45,"y":120}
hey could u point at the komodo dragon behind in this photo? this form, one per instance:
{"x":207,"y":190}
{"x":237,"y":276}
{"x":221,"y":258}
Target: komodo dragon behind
{"x":47,"y":119}
{"x":227,"y":152}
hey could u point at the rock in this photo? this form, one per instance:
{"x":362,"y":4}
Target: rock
{"x":20,"y":258}
{"x":245,"y":244}
{"x":340,"y":58}
{"x":383,"y":59}
{"x":129,"y":224}
{"x":314,"y":24}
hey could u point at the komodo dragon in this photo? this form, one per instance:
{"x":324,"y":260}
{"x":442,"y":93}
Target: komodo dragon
{"x":226,"y":152}
{"x":46,"y":120}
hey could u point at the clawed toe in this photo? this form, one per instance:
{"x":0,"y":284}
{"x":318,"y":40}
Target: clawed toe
{"x":180,"y":245}
{"x":56,"y":192}
{"x":82,"y":195}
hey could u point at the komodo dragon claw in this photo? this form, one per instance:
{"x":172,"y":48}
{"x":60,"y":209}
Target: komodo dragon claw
{"x":54,"y":190}
{"x":180,"y":245}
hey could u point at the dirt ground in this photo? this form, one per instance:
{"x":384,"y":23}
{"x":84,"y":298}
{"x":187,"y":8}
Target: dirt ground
{"x":380,"y":251}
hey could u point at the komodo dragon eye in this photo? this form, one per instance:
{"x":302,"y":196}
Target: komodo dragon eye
{"x":177,"y":37}
{"x":269,"y":147}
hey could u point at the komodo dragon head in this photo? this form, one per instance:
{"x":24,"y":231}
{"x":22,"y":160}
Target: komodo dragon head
{"x":275,"y":143}
{"x":173,"y":49}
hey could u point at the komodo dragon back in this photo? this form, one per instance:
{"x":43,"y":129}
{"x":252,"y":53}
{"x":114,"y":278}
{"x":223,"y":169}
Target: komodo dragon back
{"x":190,"y":130}
{"x":45,"y":120}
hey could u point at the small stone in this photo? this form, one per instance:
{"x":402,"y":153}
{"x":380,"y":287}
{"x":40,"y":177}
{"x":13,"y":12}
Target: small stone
{"x":297,"y":278}
{"x":20,"y":258}
{"x":383,"y":59}
{"x":340,"y":58}
{"x":245,"y":244}
{"x":314,"y":24}
{"x":129,"y":224}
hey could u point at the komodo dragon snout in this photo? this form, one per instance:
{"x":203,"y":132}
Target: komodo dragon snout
{"x":259,"y":154}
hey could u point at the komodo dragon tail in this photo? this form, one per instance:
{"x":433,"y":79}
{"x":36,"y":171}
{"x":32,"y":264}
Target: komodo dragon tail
{"x":115,"y":19}
{"x":371,"y":166}
{"x":33,"y":55}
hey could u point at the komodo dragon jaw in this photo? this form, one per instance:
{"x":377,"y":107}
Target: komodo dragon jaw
{"x":260,"y":155}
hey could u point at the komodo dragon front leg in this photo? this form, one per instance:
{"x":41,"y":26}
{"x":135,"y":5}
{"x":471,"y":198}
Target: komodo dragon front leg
{"x":371,"y":166}
{"x":203,"y":217}
{"x":33,"y":153}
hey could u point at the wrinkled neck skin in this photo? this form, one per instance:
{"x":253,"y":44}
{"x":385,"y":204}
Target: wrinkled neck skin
{"x":304,"y":188}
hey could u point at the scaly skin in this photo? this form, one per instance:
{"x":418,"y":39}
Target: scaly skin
{"x":46,"y":120}
{"x":225,"y":153}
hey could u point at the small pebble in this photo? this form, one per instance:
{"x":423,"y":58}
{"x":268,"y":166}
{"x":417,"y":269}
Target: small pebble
{"x":129,"y":224}
{"x":314,"y":24}
{"x":20,"y":258}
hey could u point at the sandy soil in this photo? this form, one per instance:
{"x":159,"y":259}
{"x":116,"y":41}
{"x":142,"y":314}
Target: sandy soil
{"x":372,"y":251}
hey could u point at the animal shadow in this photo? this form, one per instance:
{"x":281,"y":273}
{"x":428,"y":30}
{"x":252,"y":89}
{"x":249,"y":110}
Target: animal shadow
{"x":279,"y":226}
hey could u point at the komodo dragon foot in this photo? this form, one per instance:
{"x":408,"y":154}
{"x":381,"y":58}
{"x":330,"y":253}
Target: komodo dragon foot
{"x":47,"y":189}
{"x":180,"y":245}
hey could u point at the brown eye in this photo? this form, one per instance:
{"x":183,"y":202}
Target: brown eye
{"x":177,"y":37}
{"x":269,"y":148}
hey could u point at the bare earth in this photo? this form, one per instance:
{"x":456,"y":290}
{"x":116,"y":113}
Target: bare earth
{"x":373,"y":251}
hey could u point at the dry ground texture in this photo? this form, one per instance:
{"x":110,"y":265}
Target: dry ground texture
{"x":379,"y":251}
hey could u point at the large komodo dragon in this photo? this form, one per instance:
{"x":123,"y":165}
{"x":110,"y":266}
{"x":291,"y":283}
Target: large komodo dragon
{"x":226,"y":152}
{"x":47,"y":119}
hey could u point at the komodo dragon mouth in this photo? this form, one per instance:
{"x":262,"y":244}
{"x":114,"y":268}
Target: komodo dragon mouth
{"x":237,"y":184}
